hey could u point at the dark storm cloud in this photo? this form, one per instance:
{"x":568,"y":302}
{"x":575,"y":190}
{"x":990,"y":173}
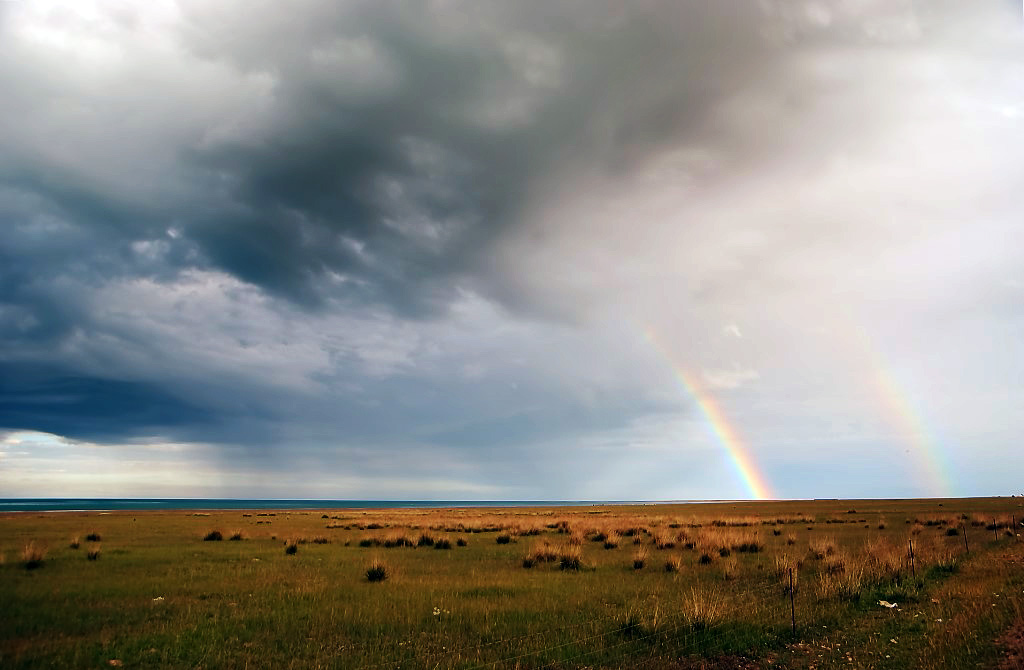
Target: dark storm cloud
{"x":387,"y":147}
{"x":400,"y":177}
{"x":34,"y":396}
{"x":257,"y":222}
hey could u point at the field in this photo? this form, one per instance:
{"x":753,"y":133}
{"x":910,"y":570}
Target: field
{"x":658,"y":586}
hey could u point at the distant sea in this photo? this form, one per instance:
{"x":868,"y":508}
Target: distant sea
{"x":115,"y":504}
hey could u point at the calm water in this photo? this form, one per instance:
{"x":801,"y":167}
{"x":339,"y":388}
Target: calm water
{"x":112,"y":504}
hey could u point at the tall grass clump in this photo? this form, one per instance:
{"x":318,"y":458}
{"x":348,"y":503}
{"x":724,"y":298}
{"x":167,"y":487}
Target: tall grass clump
{"x":570,"y":557}
{"x":504,"y":538}
{"x":885,"y":561}
{"x":673,"y":564}
{"x":212,"y":536}
{"x":703,"y":608}
{"x":33,"y":555}
{"x":822,"y":547}
{"x":398,"y":540}
{"x":639,"y":558}
{"x":442,"y":543}
{"x":663,"y":541}
{"x":93,"y":553}
{"x":543,"y":552}
{"x":291,"y":547}
{"x":612,"y":541}
{"x":845,"y":585}
{"x":377,"y":571}
{"x":784,"y":566}
{"x":75,"y":542}
{"x":236,"y":536}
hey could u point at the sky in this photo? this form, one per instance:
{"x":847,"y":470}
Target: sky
{"x":511,"y":251}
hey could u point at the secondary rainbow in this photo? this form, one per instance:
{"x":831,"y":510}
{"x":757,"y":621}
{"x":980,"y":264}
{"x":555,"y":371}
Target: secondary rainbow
{"x":931,"y":469}
{"x":723,"y":431}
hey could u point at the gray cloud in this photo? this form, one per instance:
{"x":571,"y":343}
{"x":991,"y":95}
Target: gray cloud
{"x":444,"y":228}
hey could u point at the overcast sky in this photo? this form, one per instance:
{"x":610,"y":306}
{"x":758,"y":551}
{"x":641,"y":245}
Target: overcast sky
{"x":470,"y":250}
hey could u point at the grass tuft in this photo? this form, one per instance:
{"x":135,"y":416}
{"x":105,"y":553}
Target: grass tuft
{"x":33,"y":555}
{"x":731,"y":569}
{"x":212,"y":536}
{"x":703,"y":608}
{"x":570,"y":557}
{"x":93,"y":537}
{"x":291,"y":546}
{"x":377,"y":572}
{"x":93,"y":553}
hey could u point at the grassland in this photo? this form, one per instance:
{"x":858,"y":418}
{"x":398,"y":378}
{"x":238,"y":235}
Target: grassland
{"x":660,"y":586}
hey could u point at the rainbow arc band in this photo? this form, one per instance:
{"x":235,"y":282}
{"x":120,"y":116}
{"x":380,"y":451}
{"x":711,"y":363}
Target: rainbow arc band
{"x":725,"y":434}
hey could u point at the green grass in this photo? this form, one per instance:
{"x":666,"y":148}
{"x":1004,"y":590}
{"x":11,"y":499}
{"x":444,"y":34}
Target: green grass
{"x":161,"y":597}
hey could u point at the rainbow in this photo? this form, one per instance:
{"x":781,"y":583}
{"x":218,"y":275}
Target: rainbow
{"x":903,"y":414}
{"x":723,"y":432}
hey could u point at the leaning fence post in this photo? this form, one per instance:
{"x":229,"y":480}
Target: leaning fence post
{"x":913,"y":570}
{"x":967,"y":547}
{"x":995,"y":529}
{"x":792,"y":605}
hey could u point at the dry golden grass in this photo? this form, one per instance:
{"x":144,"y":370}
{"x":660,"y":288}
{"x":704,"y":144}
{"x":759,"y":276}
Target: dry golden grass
{"x":486,"y":583}
{"x":730,"y":569}
{"x":377,"y":571}
{"x":703,"y":607}
{"x":33,"y":555}
{"x":639,"y":558}
{"x":846,"y":584}
{"x":820,"y":547}
{"x":570,"y":557}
